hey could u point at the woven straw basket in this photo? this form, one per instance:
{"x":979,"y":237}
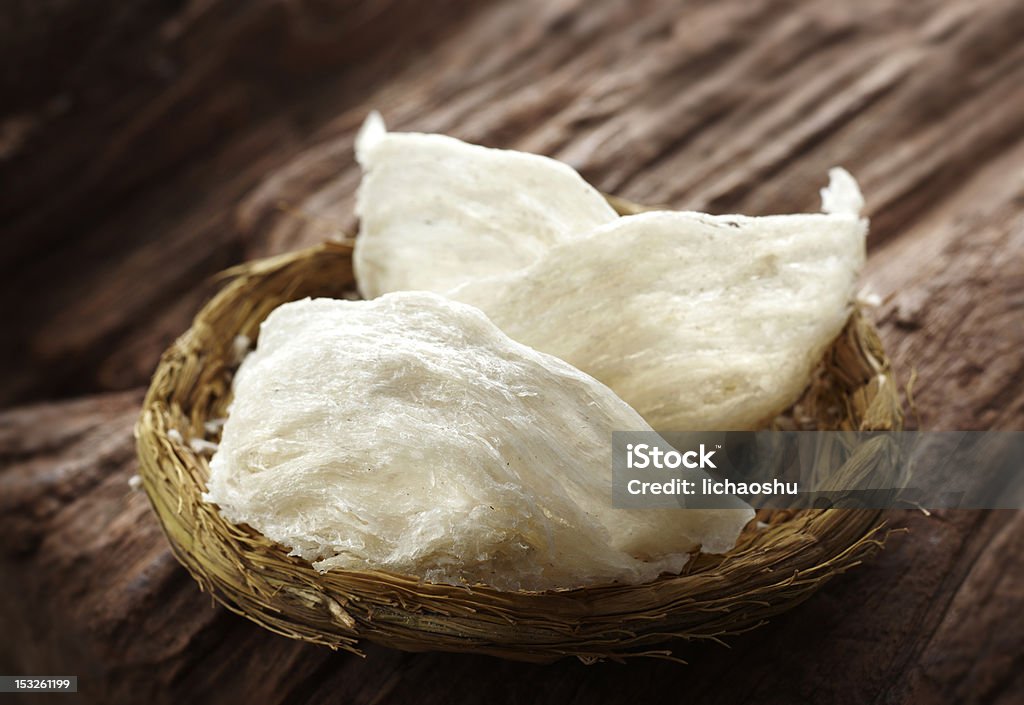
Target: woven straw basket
{"x":778,"y":562}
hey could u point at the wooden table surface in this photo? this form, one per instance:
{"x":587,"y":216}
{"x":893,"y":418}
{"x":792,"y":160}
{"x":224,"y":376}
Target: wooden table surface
{"x":146,"y":145}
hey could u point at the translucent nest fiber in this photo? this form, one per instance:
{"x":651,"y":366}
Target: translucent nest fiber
{"x":778,"y":561}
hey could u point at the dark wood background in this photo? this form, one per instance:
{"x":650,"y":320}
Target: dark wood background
{"x":145,"y":145}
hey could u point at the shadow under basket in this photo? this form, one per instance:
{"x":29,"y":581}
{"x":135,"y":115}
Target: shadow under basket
{"x":780,"y":559}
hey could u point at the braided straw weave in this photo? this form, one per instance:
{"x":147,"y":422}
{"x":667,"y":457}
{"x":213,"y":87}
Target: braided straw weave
{"x":778,"y":562}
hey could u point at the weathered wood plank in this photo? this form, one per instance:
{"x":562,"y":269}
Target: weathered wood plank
{"x":724,"y":106}
{"x":122,"y":153}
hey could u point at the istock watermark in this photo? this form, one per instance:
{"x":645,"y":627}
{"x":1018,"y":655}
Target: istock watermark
{"x":802,"y":469}
{"x":643,"y":455}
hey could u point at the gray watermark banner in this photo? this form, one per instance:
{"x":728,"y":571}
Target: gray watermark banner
{"x":38,"y":684}
{"x":818,"y":469}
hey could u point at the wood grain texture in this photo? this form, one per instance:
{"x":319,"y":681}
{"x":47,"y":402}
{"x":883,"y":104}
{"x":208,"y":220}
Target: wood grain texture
{"x":143,"y":150}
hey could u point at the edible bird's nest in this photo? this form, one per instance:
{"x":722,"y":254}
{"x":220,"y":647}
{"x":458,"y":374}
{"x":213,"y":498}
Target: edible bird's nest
{"x":779,"y":560}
